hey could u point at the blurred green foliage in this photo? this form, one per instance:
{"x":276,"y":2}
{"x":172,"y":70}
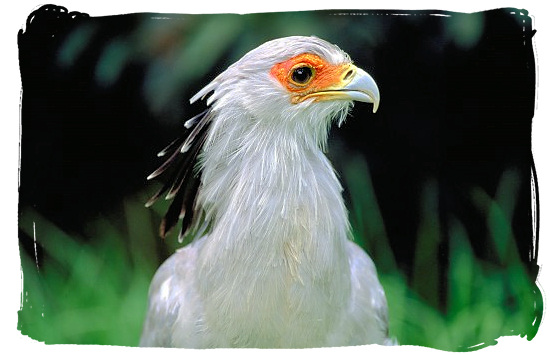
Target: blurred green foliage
{"x":484,"y":300}
{"x":465,"y":29}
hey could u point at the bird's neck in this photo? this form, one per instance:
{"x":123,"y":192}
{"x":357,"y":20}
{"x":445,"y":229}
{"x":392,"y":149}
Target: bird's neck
{"x":276,"y":208}
{"x":275,"y":258}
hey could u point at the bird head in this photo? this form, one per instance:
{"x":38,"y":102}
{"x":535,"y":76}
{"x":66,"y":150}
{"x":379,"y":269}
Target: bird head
{"x":278,"y":99}
{"x":303,"y":83}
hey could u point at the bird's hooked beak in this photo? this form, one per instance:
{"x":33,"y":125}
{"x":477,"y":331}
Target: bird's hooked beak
{"x":355,"y":84}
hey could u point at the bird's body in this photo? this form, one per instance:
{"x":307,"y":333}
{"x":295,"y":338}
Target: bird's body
{"x":275,"y":267}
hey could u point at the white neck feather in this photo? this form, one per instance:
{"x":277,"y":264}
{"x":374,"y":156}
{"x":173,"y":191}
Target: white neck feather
{"x":279,"y":224}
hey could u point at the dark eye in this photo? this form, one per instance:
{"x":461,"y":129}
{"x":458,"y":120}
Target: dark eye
{"x":302,"y":75}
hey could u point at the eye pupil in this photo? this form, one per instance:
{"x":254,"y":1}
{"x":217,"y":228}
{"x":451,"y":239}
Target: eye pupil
{"x":302,"y":75}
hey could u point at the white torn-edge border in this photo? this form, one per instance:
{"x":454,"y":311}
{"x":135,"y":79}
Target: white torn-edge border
{"x":15,"y":17}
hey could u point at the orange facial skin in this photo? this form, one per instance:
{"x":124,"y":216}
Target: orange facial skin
{"x":326,"y":77}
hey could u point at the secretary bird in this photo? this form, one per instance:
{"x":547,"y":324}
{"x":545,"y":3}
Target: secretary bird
{"x":271,"y":264}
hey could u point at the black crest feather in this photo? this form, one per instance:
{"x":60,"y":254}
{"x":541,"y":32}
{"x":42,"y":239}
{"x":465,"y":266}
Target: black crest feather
{"x":183,"y":183}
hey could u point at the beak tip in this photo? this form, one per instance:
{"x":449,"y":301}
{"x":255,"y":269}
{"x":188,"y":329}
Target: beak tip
{"x":364,"y":84}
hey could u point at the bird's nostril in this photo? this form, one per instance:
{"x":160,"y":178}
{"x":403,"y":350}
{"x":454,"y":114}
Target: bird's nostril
{"x":348,"y":74}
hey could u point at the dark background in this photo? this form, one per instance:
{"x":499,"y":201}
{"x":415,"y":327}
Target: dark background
{"x":441,"y":173}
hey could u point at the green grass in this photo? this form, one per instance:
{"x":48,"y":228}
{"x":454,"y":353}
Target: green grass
{"x":93,"y":293}
{"x":96,"y":292}
{"x":484,"y":300}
